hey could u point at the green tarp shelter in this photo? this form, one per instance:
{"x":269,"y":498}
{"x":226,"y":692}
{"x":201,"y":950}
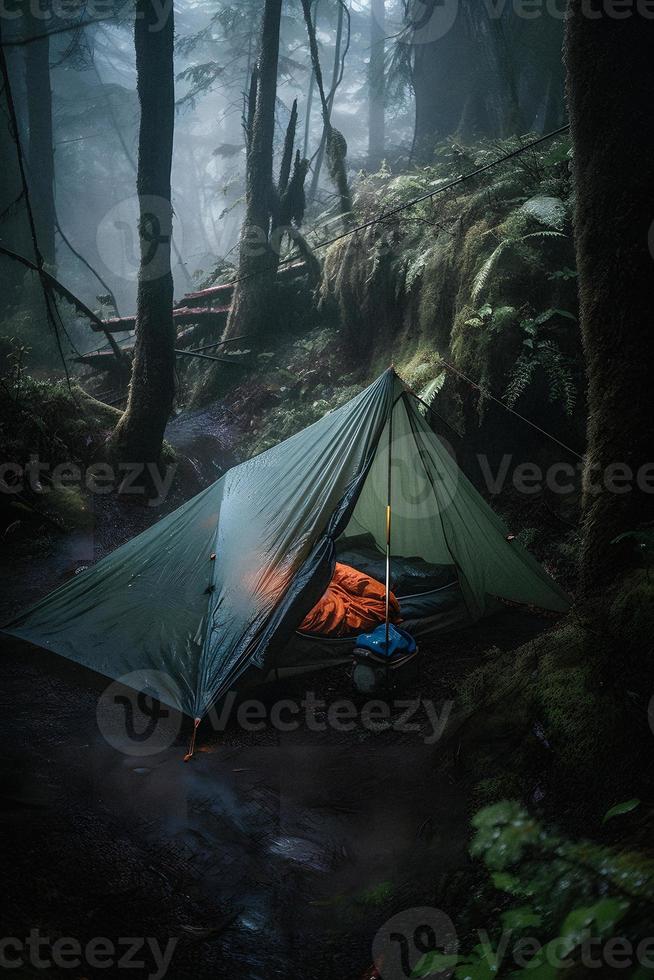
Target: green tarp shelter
{"x":220,"y":585}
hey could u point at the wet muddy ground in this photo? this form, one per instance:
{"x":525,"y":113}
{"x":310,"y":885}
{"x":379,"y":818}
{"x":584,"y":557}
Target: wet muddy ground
{"x":270,"y":854}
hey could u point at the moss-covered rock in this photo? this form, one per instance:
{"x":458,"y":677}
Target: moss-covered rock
{"x":560,"y":713}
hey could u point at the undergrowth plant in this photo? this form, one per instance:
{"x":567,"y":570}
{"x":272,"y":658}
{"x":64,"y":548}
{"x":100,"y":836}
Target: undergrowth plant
{"x":482,"y":281}
{"x":564,"y":901}
{"x":543,"y":354}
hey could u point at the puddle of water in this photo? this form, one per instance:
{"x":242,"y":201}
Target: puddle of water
{"x":306,"y":832}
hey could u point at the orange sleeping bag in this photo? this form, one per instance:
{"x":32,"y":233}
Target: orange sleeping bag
{"x":353,"y":603}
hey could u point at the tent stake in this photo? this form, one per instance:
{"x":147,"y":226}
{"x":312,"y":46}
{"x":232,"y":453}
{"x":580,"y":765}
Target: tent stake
{"x":191,"y":746}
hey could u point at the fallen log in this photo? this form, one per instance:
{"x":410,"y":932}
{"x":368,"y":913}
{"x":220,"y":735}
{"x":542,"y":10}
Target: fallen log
{"x":181,"y":314}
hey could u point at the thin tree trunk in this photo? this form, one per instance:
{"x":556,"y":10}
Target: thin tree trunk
{"x":138,"y":436}
{"x":40,"y":153}
{"x":616,"y":281}
{"x":252,"y":306}
{"x":329,"y":102}
{"x":376,"y":85}
{"x":312,"y":85}
{"x":334,"y":141}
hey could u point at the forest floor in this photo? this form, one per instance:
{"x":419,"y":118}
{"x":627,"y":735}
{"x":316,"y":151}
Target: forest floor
{"x":271,"y":854}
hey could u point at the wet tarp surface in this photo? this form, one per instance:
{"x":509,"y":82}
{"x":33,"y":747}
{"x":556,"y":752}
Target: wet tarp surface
{"x":185,"y":608}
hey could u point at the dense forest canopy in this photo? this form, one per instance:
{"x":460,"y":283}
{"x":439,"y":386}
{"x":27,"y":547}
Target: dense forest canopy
{"x":87,"y":101}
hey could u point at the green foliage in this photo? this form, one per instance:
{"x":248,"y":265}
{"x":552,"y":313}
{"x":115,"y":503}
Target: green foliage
{"x":483,"y":279}
{"x":42,"y":417}
{"x":548,"y":211}
{"x":467,"y":274}
{"x":200,"y":79}
{"x":545,"y":355}
{"x":561,"y":893}
{"x":376,"y":895}
{"x":430,"y":391}
{"x":620,"y":809}
{"x":527,"y":537}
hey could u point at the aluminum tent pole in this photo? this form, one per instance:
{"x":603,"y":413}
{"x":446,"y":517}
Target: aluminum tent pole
{"x":388,"y":529}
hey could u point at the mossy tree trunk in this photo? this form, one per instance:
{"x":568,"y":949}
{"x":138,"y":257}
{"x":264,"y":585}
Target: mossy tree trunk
{"x":138,"y":437}
{"x":613,"y":138}
{"x":252,"y":306}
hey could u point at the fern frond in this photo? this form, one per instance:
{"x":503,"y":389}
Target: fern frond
{"x":483,"y":276}
{"x":523,"y":371}
{"x":542,"y":234}
{"x":430,"y":391}
{"x":561,"y":383}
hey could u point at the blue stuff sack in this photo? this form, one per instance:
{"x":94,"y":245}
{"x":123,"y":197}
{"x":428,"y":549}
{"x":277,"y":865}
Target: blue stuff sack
{"x":399,"y":641}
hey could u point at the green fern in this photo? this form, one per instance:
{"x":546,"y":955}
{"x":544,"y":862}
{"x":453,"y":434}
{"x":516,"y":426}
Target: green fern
{"x":546,"y":356}
{"x":561,"y":383}
{"x":414,"y":272}
{"x":434,"y":387}
{"x":482,"y":279}
{"x":523,"y":372}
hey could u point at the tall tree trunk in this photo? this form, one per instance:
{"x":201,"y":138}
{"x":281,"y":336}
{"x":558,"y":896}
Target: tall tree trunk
{"x":444,"y":77}
{"x":40,"y":151}
{"x":252,"y":306}
{"x":14,"y":227}
{"x":138,"y":437}
{"x":616,"y":281}
{"x":376,"y":87}
{"x":511,"y":117}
